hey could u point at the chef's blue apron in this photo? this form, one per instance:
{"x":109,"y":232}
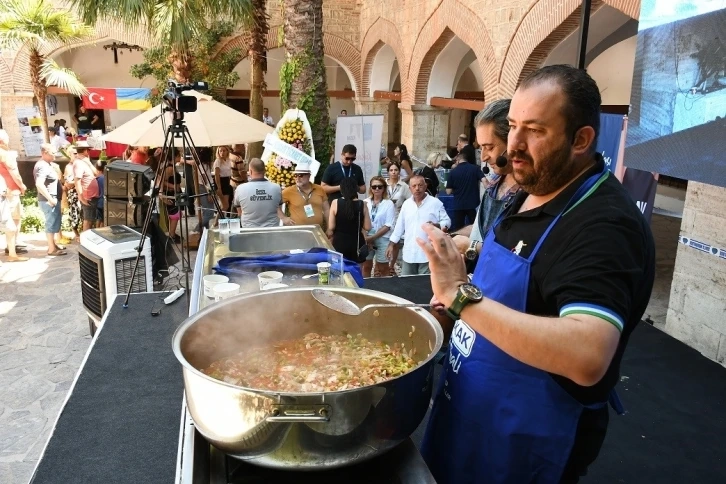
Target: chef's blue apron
{"x":495,"y":419}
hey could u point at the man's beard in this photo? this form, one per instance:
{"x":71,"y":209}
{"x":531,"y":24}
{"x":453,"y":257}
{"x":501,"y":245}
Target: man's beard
{"x":552,"y":172}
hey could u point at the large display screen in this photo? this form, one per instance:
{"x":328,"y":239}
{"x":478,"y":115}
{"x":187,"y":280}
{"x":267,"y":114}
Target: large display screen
{"x":677,"y":122}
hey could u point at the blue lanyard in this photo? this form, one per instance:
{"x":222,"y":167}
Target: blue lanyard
{"x":374,"y":211}
{"x":350,"y":170}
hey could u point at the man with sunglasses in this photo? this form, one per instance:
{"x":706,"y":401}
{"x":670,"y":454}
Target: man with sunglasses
{"x":345,"y":168}
{"x":306,"y":202}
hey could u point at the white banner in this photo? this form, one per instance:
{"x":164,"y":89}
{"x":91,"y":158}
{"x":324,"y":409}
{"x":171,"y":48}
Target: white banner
{"x":30,"y":129}
{"x":275,"y":144}
{"x":365,"y":132}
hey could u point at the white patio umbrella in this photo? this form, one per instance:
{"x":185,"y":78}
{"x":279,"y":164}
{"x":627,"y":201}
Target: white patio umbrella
{"x":212,"y":124}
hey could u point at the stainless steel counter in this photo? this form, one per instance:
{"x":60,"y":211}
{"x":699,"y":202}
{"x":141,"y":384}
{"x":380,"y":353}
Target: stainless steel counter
{"x":215,"y":245}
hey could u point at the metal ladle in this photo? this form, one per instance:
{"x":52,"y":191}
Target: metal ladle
{"x":340,"y":304}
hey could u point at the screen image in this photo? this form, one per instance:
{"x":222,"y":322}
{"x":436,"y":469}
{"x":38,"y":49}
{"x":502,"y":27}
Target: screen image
{"x":677,"y":121}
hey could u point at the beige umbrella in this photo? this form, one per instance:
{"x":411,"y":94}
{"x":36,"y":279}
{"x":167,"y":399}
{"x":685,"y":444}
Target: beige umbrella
{"x":212,"y":124}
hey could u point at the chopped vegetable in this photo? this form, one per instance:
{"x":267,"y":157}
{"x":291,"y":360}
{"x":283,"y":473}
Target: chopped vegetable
{"x":315,"y":363}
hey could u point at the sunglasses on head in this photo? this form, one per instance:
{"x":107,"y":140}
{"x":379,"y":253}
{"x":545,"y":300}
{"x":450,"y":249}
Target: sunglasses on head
{"x":350,"y":158}
{"x":376,"y":187}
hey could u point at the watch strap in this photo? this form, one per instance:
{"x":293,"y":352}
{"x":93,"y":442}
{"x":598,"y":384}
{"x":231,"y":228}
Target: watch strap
{"x":458,"y":305}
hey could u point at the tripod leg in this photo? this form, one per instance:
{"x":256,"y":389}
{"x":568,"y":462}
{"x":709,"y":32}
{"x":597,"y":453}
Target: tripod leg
{"x":147,"y":221}
{"x":208,"y":182}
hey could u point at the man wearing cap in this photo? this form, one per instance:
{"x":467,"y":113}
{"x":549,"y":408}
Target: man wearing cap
{"x":46,"y":182}
{"x":306,"y":202}
{"x":84,"y":176}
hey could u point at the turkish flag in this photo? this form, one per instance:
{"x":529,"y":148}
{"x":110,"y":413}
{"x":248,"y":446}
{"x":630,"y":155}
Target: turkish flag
{"x":100,"y":98}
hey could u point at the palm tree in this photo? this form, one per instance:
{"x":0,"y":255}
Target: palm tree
{"x":33,"y":24}
{"x":257,"y":54}
{"x":303,"y":77}
{"x":168,"y":22}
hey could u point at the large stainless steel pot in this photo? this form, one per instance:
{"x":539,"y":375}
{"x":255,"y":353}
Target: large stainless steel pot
{"x":304,"y":431}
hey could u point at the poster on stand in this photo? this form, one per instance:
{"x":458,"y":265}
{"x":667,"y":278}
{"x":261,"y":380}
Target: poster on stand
{"x":365,"y":132}
{"x":31,"y":129}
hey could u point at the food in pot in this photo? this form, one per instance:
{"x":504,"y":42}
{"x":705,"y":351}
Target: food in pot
{"x":315,"y":363}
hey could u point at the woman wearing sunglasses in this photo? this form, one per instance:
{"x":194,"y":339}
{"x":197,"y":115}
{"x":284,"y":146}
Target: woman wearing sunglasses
{"x":383,"y":215}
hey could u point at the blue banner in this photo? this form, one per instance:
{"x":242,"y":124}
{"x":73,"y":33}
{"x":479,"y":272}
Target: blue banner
{"x":608,"y":143}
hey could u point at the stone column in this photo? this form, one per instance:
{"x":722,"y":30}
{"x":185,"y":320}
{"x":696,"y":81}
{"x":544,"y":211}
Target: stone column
{"x":369,"y":105}
{"x":424,"y":129}
{"x":697,"y":303}
{"x":10,"y":118}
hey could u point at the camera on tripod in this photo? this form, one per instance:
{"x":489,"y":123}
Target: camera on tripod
{"x":179,"y":103}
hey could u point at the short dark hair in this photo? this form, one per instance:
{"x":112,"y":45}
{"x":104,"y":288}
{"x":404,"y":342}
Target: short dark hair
{"x":495,"y":114}
{"x":350,"y":149}
{"x":257,"y":166}
{"x":583,"y":96}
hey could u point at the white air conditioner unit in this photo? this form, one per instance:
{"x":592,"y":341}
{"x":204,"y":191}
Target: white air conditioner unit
{"x":107,"y":256}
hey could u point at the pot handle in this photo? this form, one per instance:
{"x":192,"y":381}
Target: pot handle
{"x":291,"y":415}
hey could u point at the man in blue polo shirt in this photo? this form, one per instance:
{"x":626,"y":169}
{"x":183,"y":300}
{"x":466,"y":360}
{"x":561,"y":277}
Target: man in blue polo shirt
{"x":464,"y":182}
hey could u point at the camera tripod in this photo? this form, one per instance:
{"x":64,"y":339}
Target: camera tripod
{"x":176,"y":130}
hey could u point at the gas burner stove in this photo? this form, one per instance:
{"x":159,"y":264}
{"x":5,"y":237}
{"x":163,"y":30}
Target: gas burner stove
{"x":198,"y":462}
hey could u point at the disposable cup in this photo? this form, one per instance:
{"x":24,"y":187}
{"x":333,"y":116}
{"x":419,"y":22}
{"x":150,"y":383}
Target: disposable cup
{"x":225,"y":290}
{"x":324,"y":272}
{"x":212,"y":280}
{"x":269,"y":277}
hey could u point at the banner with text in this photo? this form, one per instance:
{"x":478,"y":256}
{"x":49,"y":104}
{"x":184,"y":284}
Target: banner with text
{"x":365,"y":132}
{"x":273,"y":143}
{"x":608,"y":142}
{"x":31,"y":129}
{"x":641,"y":185}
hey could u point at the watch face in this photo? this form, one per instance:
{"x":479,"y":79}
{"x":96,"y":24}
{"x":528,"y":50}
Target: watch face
{"x":470,"y":254}
{"x":472,"y":292}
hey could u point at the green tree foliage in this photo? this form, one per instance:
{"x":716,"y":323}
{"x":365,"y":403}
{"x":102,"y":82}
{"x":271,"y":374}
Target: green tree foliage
{"x":217,"y":70}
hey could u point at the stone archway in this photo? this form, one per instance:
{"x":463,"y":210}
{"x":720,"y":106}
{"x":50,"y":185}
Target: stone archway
{"x":449,"y":66}
{"x":382,"y":33}
{"x":384,"y":64}
{"x":534,"y":38}
{"x":335,"y":47}
{"x":6,"y":77}
{"x":104,"y":31}
{"x":450,"y":19}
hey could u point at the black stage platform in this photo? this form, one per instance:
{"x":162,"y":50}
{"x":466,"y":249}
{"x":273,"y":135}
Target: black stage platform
{"x":121,"y":422}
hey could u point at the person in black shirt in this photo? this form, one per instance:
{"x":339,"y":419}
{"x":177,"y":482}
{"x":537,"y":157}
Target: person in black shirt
{"x":464,"y":182}
{"x":336,"y":172}
{"x":85,"y":121}
{"x":562,"y":280}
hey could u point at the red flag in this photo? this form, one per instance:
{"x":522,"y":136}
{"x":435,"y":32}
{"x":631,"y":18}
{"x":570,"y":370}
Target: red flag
{"x":100,"y":98}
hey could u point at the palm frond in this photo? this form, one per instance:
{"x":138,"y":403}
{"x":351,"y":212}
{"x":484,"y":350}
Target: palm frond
{"x":12,"y":36}
{"x":131,"y":13}
{"x":55,"y":75}
{"x":36,"y":22}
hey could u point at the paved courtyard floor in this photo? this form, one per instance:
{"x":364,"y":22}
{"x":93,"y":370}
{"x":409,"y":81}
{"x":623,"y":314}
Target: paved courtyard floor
{"x":44,"y":336}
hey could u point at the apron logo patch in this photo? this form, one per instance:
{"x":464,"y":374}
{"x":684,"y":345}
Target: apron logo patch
{"x":463,"y":338}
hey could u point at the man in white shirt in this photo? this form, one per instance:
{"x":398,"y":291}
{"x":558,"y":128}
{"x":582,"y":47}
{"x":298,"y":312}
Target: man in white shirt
{"x":266,"y":118}
{"x":56,"y":139}
{"x":420,"y":209}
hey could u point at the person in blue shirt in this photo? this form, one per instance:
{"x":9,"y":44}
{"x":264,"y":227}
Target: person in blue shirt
{"x":464,"y":182}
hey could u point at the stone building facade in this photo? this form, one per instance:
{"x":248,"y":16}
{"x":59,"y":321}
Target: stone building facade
{"x":421,"y":48}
